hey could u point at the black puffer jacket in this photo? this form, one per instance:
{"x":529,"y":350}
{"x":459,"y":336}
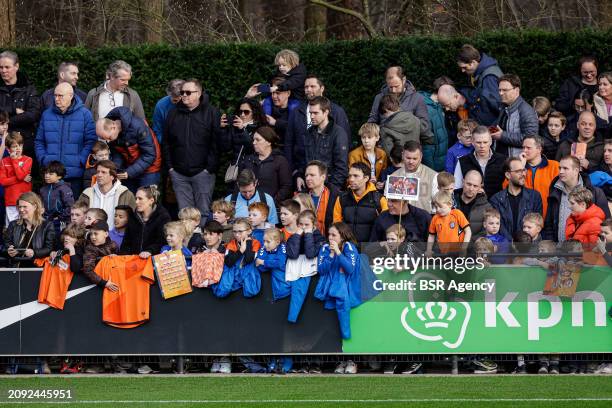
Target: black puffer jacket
{"x":273,"y":174}
{"x":332,"y":148}
{"x":190,"y":138}
{"x":22,"y":96}
{"x":145,"y":236}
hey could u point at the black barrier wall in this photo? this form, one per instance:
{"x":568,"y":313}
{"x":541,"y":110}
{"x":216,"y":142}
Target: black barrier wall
{"x":196,"y":323}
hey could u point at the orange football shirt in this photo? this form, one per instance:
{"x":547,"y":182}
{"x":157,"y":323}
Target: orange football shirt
{"x":128,"y":307}
{"x":54,"y":281}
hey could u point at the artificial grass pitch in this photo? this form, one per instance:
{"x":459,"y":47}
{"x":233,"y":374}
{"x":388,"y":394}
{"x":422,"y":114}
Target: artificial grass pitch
{"x":317,"y":391}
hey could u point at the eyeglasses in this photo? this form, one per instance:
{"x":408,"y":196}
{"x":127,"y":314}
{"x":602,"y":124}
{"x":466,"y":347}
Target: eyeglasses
{"x":187,"y":93}
{"x":112,"y":99}
{"x":245,"y":112}
{"x":501,"y":90}
{"x":57,"y":96}
{"x":518,"y":171}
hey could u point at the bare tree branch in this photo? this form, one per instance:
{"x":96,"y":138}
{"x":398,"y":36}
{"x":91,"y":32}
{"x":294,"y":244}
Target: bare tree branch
{"x":367,"y":24}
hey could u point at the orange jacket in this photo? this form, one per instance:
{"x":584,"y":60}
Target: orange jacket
{"x":546,"y":172}
{"x":585,"y":227}
{"x":359,"y":155}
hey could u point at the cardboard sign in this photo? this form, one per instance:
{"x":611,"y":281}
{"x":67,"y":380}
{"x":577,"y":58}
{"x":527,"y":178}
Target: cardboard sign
{"x":402,"y":188}
{"x":562,"y":279}
{"x":172,"y":276}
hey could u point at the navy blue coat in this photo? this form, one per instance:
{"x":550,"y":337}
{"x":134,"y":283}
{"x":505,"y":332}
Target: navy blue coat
{"x":66,"y":137}
{"x":483,"y":100}
{"x":296,"y":132}
{"x":134,"y":132}
{"x":531,"y":201}
{"x":306,"y":244}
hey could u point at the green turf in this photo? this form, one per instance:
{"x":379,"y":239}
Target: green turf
{"x":237,"y":389}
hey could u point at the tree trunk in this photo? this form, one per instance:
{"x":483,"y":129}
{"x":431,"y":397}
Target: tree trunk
{"x":7,"y":23}
{"x":153,"y":20}
{"x":315,"y":23}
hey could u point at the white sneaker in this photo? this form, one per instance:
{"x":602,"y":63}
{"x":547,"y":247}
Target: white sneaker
{"x":351,"y":367}
{"x":215,"y":366}
{"x":604,"y":368}
{"x":340,"y":368}
{"x":144,"y":369}
{"x":225,"y":365}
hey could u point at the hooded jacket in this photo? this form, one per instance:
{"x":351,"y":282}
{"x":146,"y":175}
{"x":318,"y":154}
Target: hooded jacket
{"x":117,"y":195}
{"x":399,"y":128}
{"x":585,"y":227}
{"x":273,"y":174}
{"x":360,"y":212}
{"x":12,"y":175}
{"x":274,"y":262}
{"x":190,"y":138}
{"x":22,"y":96}
{"x":551,"y":222}
{"x":602,"y":119}
{"x":297,"y":130}
{"x":568,"y":91}
{"x":66,"y":137}
{"x":358,"y":155}
{"x":331,"y":147}
{"x":58,"y":200}
{"x":517,"y":121}
{"x":483,"y":101}
{"x":131,"y":100}
{"x":410,"y":101}
{"x":143,"y":235}
{"x":436,"y":147}
{"x":307,"y":243}
{"x":136,"y":144}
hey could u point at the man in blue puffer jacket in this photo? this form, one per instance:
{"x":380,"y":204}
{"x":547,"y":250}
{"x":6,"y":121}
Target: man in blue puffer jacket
{"x":66,"y":133}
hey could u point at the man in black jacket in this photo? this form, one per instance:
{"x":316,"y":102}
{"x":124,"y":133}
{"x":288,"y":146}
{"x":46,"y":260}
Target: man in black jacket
{"x":299,"y":122}
{"x":326,"y":142}
{"x":19,"y":98}
{"x":190,"y":153}
{"x":471,"y":201}
{"x":558,"y":204}
{"x":484,"y":160}
{"x":414,"y":220}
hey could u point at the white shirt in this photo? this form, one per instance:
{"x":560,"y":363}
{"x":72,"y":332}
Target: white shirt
{"x":108,"y":101}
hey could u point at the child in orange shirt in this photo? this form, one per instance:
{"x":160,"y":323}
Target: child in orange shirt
{"x":448,"y":227}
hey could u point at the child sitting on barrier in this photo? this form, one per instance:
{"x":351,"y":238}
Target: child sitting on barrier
{"x":176,"y":234}
{"x":98,"y":246}
{"x":192,"y":217}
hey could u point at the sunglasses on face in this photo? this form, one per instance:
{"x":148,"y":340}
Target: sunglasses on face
{"x":187,"y":93}
{"x":244,"y":112}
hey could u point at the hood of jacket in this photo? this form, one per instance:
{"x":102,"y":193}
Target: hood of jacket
{"x":401,"y":122}
{"x":485,"y":62}
{"x":22,"y":81}
{"x":592,"y":212}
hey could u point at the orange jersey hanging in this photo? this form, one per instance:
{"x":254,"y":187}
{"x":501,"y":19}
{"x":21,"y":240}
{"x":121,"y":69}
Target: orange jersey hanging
{"x":54,"y":281}
{"x":128,"y":307}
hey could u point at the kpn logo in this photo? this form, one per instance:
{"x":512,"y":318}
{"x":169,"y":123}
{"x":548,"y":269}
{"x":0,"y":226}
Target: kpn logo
{"x":438,"y":322}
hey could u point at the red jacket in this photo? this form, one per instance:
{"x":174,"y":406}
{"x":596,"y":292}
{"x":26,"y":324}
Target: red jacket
{"x":12,"y":173}
{"x":585,"y":227}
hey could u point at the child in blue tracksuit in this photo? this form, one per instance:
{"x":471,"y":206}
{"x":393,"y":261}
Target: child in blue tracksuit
{"x":340,"y":278}
{"x":306,"y":242}
{"x":272,"y":258}
{"x":57,"y":196}
{"x":176,"y":233}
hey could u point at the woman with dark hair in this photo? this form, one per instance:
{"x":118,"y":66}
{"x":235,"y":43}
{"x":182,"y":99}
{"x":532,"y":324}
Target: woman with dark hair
{"x":239,"y":133}
{"x":30,"y":236}
{"x":269,"y":164}
{"x":571,"y":87}
{"x":144,"y":235}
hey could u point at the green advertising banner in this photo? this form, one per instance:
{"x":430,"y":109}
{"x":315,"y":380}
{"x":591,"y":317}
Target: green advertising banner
{"x":499,"y":309}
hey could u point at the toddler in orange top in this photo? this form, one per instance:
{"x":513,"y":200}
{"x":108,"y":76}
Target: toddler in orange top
{"x":448,"y":227}
{"x":15,"y":174}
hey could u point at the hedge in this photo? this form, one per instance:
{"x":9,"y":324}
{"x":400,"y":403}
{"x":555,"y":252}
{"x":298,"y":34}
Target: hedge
{"x":352,"y":70}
